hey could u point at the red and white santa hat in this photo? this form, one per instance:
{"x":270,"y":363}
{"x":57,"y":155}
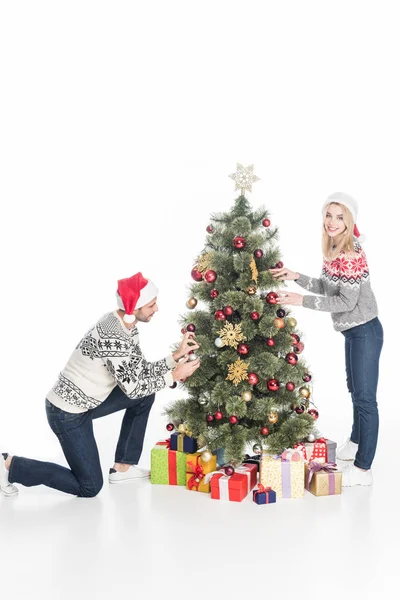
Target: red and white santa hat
{"x":133,"y":293}
{"x":351,"y":204}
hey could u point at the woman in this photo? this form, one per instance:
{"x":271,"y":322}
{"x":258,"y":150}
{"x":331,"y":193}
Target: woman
{"x":344,"y":290}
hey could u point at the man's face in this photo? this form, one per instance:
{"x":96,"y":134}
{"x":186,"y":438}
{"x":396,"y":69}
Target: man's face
{"x":146,"y":312}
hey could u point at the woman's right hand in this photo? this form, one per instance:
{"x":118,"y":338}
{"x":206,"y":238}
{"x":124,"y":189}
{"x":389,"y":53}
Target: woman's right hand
{"x":185,"y":369}
{"x":284,"y":274}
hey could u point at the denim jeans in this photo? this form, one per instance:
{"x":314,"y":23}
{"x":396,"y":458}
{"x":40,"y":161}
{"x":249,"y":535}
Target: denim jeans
{"x":363,"y":348}
{"x":74,"y":431}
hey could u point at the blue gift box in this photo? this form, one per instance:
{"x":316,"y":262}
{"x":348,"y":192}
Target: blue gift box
{"x":183,"y":443}
{"x":266,"y":497}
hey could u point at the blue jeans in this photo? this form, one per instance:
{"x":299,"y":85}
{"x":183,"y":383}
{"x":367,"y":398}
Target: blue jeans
{"x":363,"y":348}
{"x":74,"y":431}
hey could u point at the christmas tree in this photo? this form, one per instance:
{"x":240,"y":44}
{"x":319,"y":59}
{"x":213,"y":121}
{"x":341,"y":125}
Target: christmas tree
{"x":252,"y":387}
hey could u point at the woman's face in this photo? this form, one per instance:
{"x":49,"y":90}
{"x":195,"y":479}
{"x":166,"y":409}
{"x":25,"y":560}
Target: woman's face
{"x":334,"y":223}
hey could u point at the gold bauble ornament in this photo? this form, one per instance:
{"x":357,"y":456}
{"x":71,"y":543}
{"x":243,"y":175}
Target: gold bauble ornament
{"x":247,"y":396}
{"x":291,"y":322}
{"x":251,"y":290}
{"x":279,"y":323}
{"x":206,"y":456}
{"x":192,"y":302}
{"x":304,"y":392}
{"x":273,"y":417}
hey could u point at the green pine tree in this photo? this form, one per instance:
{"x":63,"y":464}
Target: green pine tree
{"x":251,"y":414}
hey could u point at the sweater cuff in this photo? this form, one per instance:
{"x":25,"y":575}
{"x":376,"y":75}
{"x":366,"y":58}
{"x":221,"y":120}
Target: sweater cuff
{"x":169,"y":380}
{"x":171,"y":363}
{"x":310,"y":302}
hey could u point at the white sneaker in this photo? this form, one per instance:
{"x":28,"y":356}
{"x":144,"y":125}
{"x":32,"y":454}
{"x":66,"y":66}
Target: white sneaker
{"x":134,"y":472}
{"x":348,"y":451}
{"x":6,"y":488}
{"x":352,"y":476}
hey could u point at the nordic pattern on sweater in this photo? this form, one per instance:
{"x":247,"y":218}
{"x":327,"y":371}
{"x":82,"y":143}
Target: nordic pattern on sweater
{"x":345,"y":290}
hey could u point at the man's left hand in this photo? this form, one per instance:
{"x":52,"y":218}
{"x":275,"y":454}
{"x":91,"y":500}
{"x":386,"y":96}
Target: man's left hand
{"x":290,"y":298}
{"x":188,"y":343}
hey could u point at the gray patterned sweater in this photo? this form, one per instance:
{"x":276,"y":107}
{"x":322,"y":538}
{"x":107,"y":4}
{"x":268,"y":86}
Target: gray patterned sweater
{"x":108,"y":355}
{"x":346,"y":288}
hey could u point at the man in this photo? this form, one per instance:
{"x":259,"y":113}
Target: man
{"x":107,"y":372}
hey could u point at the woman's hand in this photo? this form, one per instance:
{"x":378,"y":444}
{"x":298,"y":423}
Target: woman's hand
{"x":187,"y":344}
{"x":284,"y":274}
{"x":290,"y":298}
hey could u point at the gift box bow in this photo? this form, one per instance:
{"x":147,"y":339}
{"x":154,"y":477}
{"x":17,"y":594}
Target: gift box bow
{"x":315,"y":466}
{"x":183,"y":430}
{"x":166,"y":443}
{"x":261,"y":489}
{"x":291,"y":454}
{"x":243,"y":470}
{"x":197,"y":474}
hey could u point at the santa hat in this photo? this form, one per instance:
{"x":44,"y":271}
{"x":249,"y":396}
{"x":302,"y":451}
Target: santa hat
{"x":348,"y":202}
{"x":133,"y":293}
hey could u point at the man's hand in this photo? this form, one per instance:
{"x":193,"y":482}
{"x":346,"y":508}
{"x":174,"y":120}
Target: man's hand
{"x":185,"y":369}
{"x":290,"y":298}
{"x":187,"y":344}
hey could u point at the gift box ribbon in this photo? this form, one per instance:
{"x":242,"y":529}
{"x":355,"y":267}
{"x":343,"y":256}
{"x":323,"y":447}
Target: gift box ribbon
{"x":223,"y":481}
{"x":197,"y":473}
{"x":166,"y":443}
{"x":301,"y":448}
{"x":329,"y":468}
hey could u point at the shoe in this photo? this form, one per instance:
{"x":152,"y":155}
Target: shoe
{"x":134,"y":472}
{"x":348,"y":451}
{"x":6,"y":488}
{"x":352,"y":476}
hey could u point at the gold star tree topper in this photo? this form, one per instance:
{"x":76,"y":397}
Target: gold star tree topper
{"x":244,"y":178}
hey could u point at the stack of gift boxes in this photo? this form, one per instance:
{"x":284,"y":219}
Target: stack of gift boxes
{"x":310,"y":465}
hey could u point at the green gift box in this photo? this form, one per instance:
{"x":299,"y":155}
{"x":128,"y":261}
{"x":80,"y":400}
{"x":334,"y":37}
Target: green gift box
{"x":168,"y":467}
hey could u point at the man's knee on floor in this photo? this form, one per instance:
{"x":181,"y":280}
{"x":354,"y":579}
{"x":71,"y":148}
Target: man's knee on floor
{"x":91,"y":490}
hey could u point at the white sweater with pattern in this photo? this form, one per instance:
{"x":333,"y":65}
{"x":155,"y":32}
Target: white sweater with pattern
{"x":346,"y":290}
{"x":108,"y":355}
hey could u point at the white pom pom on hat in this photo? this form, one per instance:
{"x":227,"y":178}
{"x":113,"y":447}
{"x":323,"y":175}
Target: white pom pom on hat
{"x":133,"y":293}
{"x":351,"y":204}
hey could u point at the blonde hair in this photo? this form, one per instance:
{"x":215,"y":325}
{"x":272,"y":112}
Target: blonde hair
{"x":344,"y":242}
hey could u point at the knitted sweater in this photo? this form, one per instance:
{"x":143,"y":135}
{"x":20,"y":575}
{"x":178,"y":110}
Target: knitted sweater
{"x":108,"y":355}
{"x":346,"y":288}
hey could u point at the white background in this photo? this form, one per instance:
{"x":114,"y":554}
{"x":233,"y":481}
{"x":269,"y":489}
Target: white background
{"x":120,"y":123}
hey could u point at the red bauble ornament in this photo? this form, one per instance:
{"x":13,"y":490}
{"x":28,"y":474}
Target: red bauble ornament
{"x":219,"y":315}
{"x":191,"y":328}
{"x":210,"y":229}
{"x":210,"y":418}
{"x":299,"y":409}
{"x":228,"y":311}
{"x":270,"y":342}
{"x":253,"y":378}
{"x":173,"y":386}
{"x":218,"y":415}
{"x":243,"y":349}
{"x":272,"y":297}
{"x":229,"y":470}
{"x":233,"y":420}
{"x":239,"y":242}
{"x":264,"y":431}
{"x":291,"y":358}
{"x":290,"y":386}
{"x":170,"y":427}
{"x":295,"y":338}
{"x":197,"y":276}
{"x":298,"y":348}
{"x":307,"y":377}
{"x":258,"y":253}
{"x":273,"y":385}
{"x":280,"y":313}
{"x":210,"y":276}
{"x":254,"y":316}
{"x":279,"y":265}
{"x":214,"y":294}
{"x":266,"y":222}
{"x":314,"y":413}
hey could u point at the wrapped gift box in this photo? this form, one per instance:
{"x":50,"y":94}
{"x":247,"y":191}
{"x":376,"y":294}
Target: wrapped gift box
{"x":236,"y":487}
{"x":264,"y":495}
{"x":183,"y":443}
{"x":323,"y":479}
{"x":168,"y":467}
{"x":322,"y":450}
{"x":196,"y":470}
{"x":285,"y":476}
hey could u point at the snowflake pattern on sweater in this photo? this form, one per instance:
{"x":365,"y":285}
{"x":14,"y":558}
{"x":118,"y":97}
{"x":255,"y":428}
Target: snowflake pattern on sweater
{"x":345,"y":290}
{"x":108,"y":355}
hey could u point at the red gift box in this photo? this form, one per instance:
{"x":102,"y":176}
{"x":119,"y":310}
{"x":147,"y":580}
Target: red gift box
{"x":236,"y":487}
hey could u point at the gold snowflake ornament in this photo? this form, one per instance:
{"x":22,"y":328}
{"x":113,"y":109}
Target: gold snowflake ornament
{"x":231,"y":335}
{"x":203,"y":262}
{"x":237,"y":371}
{"x":244,"y":178}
